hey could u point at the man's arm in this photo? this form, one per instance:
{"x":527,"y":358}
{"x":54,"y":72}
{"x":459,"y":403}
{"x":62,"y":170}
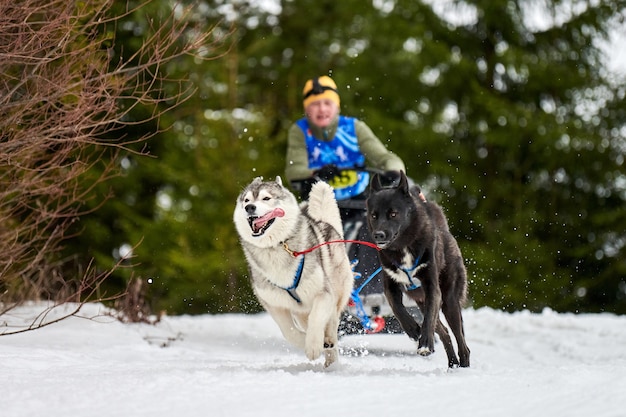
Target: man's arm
{"x":297,"y":162}
{"x":376,"y":154}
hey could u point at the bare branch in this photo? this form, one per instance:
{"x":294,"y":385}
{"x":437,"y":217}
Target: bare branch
{"x":65,"y":97}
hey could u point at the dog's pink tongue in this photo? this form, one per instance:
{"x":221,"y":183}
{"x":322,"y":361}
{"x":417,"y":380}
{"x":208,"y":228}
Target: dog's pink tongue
{"x":277,"y":212}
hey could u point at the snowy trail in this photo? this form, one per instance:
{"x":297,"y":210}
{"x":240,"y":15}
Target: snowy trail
{"x":523,"y":364}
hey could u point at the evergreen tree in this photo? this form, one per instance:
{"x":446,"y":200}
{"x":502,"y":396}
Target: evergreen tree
{"x":513,"y":126}
{"x":170,"y":211}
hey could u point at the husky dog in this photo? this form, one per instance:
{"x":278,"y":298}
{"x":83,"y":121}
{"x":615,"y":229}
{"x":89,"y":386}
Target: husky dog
{"x":421,"y":258}
{"x":303,"y":292}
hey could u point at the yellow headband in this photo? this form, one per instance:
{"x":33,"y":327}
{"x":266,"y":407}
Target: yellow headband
{"x":320,"y":88}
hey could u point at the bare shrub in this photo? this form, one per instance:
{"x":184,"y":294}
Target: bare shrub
{"x":132,"y":306}
{"x":63,"y":96}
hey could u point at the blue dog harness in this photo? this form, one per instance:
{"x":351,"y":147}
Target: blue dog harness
{"x":296,"y":280}
{"x":414,"y":283}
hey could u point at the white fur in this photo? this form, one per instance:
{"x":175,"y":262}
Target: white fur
{"x":327,"y":278}
{"x":408,"y":261}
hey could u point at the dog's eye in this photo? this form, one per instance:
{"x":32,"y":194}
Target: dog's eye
{"x":266,"y":198}
{"x":393,"y":214}
{"x":374,"y":216}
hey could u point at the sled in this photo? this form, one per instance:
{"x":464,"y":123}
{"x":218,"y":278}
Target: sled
{"x":368,"y":311}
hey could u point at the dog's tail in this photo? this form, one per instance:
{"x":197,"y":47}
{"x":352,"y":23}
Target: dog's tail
{"x":323,"y":206}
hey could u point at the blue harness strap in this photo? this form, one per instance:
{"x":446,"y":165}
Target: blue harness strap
{"x":372,"y":275}
{"x":358,"y":303}
{"x":415,"y":283}
{"x":296,"y":280}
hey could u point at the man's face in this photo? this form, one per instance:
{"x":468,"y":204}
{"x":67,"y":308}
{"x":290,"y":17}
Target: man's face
{"x":322,"y":112}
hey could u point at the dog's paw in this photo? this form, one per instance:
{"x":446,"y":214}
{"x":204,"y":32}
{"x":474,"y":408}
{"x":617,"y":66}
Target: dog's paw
{"x":329,"y":342}
{"x":331,"y":356}
{"x":313,"y":353}
{"x":424,"y":351}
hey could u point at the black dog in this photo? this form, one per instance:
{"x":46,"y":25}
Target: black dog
{"x":420,"y":257}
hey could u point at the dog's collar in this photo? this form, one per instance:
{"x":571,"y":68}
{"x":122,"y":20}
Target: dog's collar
{"x":414,"y":283}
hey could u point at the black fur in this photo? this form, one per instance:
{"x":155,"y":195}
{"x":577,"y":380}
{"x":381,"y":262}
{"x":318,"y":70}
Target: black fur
{"x":407,"y":228}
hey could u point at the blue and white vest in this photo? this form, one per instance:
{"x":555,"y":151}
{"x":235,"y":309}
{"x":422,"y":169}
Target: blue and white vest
{"x":342,"y":151}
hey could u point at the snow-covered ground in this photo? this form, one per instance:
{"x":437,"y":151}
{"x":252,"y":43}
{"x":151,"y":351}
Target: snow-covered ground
{"x":523,"y":365}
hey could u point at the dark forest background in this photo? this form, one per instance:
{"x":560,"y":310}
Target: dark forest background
{"x":504,"y":111}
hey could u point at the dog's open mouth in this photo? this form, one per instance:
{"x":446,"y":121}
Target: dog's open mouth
{"x":383,"y":239}
{"x":260,"y":224}
{"x":382,"y":244}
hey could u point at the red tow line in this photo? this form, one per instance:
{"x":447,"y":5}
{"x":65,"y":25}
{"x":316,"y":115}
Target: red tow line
{"x":296,"y":253}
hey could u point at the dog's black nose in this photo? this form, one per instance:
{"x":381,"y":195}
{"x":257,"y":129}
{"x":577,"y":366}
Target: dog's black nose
{"x":250,"y":208}
{"x":380,"y":236}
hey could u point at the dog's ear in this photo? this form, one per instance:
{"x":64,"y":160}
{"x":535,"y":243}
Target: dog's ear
{"x":375,"y":184}
{"x":279,"y":180}
{"x":403,"y":185}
